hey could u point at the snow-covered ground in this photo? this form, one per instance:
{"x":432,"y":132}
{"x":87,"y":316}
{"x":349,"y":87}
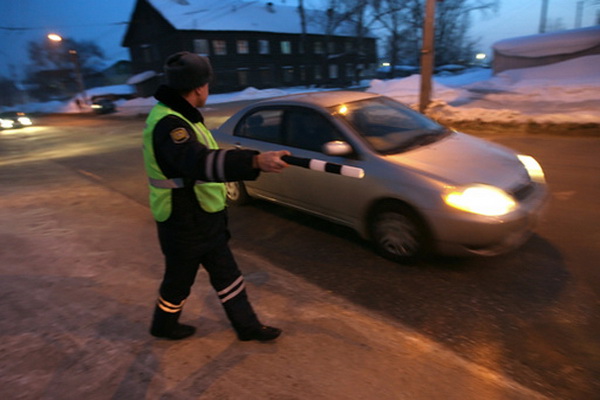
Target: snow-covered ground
{"x":566,"y":92}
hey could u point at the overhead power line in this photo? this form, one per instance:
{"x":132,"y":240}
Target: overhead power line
{"x":33,"y":28}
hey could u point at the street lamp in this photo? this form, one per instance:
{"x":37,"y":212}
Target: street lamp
{"x":78,"y":76}
{"x":54,"y":37}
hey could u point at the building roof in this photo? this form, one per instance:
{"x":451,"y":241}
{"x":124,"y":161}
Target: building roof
{"x":242,"y":15}
{"x":549,"y":44}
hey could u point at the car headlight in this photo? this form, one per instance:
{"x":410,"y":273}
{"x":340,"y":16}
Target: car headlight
{"x":534,"y":169}
{"x":25,"y":121}
{"x":6,"y":123}
{"x":480,"y":199}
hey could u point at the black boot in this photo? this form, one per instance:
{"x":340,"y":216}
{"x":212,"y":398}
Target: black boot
{"x":165,"y":325}
{"x":262,"y":333}
{"x":245,"y":322}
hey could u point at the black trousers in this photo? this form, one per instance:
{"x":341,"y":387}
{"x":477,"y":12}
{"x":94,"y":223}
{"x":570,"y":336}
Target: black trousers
{"x":185,"y":251}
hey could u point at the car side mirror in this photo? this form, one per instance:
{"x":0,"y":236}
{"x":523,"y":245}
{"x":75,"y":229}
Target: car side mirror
{"x":337,"y":148}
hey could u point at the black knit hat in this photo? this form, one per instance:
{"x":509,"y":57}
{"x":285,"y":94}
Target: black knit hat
{"x":187,"y":71}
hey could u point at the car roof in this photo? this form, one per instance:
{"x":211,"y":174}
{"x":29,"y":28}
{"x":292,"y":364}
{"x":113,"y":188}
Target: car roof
{"x":322,"y":99}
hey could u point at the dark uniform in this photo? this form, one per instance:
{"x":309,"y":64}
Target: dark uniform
{"x":192,"y":225}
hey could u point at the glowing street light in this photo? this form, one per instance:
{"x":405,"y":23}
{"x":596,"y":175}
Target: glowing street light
{"x":57,"y":38}
{"x":54,"y":37}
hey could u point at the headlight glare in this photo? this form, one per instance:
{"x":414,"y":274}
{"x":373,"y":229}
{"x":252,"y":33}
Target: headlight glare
{"x":25,"y":121}
{"x":6,"y":123}
{"x":480,"y":199}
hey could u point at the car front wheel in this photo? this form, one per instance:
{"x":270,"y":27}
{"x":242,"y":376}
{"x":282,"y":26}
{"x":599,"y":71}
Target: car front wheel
{"x":236,"y":193}
{"x":399,"y":234}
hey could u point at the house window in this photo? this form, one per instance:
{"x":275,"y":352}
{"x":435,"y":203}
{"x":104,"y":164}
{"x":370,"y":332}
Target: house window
{"x":318,"y":72}
{"x":243,"y":47}
{"x":288,"y":74}
{"x":220,"y":47}
{"x":286,"y":47}
{"x":242,"y":74}
{"x":263,"y":47}
{"x":331,"y":47}
{"x":333,"y":71}
{"x":303,"y":73}
{"x":348,"y":46}
{"x":147,"y":53}
{"x":349,"y":70}
{"x":318,"y":47}
{"x":266,"y":76}
{"x":201,"y":47}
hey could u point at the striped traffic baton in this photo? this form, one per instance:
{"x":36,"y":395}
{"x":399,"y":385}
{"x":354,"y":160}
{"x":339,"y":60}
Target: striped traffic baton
{"x":323,"y":166}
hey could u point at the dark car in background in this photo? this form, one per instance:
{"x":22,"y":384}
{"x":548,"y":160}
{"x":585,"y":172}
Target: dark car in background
{"x":103,"y":105}
{"x":14,"y":119}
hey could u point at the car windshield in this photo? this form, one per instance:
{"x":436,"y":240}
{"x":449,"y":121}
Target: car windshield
{"x":389,"y":126}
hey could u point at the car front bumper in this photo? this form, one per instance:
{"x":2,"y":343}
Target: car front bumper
{"x":458,"y":233}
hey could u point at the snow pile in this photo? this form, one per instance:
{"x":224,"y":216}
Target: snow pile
{"x":548,"y":44}
{"x":566,"y":92}
{"x":115,"y":89}
{"x":407,"y":90}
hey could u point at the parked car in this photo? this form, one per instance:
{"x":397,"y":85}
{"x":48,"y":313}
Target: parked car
{"x":103,"y":105}
{"x":14,"y":119}
{"x":426,"y":189}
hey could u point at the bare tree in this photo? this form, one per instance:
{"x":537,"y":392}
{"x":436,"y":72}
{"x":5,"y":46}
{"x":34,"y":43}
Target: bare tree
{"x":361,"y":14}
{"x":336,"y":16}
{"x":54,"y":66}
{"x":399,"y":18}
{"x":403,"y":21}
{"x":302,"y":13}
{"x":52,"y":55}
{"x":453,"y":21}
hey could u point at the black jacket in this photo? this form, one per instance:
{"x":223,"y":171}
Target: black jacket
{"x":179,"y":154}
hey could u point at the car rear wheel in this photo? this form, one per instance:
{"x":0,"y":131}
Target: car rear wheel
{"x":236,"y":193}
{"x":399,"y":234}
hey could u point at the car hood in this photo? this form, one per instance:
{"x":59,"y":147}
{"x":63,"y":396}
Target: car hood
{"x":461,"y":159}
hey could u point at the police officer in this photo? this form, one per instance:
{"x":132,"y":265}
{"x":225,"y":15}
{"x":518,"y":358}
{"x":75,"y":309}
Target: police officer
{"x":186,"y":171}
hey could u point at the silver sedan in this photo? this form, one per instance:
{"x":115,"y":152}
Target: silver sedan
{"x":422,"y":189}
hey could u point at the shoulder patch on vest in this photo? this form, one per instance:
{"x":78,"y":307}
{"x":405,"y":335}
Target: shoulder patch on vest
{"x":180,"y":135}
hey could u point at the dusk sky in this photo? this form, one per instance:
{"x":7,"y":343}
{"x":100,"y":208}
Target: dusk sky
{"x":104,"y":22}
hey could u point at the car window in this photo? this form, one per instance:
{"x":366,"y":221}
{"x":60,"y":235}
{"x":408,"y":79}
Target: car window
{"x":309,"y":130}
{"x":262,"y":125}
{"x":388,"y":126}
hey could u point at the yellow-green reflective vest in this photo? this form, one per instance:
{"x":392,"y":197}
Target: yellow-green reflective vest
{"x":210,"y":195}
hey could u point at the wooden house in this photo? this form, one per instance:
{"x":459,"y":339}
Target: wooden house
{"x":250,"y":43}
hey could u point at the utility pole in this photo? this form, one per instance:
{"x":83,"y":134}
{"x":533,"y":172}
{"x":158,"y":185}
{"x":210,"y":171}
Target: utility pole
{"x":78,"y":75}
{"x":427,"y":55}
{"x":578,"y":14}
{"x":544,"y":16}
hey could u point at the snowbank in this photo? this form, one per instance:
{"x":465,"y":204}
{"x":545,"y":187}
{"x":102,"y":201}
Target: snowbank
{"x":549,"y":44}
{"x":567,"y":92}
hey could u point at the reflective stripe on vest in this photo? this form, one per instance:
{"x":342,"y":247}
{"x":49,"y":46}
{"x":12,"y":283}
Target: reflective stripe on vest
{"x":210,"y":195}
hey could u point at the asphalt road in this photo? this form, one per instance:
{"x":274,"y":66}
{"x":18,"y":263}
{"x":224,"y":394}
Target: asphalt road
{"x":533,"y":315}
